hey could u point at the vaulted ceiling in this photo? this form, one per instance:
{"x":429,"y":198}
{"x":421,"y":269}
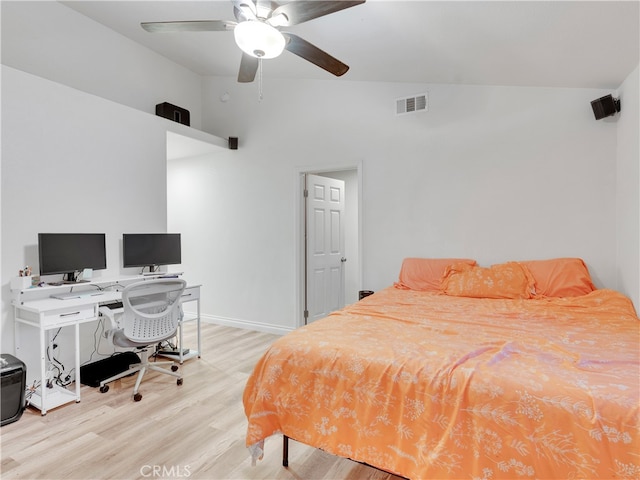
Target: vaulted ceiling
{"x":523,"y":43}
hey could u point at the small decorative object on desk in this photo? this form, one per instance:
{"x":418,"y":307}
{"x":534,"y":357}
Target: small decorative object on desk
{"x":21,"y":282}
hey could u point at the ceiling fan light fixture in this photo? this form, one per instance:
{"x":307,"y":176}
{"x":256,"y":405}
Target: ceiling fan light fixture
{"x":259,"y":39}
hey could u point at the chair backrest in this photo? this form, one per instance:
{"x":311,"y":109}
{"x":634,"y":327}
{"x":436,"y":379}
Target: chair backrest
{"x":152,"y":309}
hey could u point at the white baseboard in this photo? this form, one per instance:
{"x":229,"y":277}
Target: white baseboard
{"x":247,"y":325}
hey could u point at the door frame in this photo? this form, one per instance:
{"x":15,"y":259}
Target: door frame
{"x":299,"y":229}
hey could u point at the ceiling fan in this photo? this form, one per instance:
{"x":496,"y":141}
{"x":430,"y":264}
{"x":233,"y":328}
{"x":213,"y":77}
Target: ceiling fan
{"x":257,"y":31}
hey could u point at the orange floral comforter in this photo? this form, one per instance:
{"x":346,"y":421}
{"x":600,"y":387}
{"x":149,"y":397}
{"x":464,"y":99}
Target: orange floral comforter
{"x":430,"y":386}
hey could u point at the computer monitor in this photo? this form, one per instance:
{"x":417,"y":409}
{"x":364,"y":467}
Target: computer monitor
{"x":151,"y":250}
{"x":69,"y":253}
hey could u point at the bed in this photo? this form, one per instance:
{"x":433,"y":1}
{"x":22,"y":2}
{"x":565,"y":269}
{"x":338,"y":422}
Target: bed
{"x":449,"y":374}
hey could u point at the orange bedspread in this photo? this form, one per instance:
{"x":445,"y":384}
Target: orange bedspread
{"x":429,"y":386}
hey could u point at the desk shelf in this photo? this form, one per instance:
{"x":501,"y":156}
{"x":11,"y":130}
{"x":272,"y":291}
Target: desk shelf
{"x":54,"y":397}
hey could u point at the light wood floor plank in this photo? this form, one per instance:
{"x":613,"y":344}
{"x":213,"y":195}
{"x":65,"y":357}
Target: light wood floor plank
{"x":193,"y":431}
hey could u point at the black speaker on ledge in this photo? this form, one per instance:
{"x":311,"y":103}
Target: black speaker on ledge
{"x":233,"y":143}
{"x":605,"y":106}
{"x":172,"y":112}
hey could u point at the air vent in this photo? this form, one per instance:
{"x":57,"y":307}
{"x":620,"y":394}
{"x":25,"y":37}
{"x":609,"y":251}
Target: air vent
{"x":417,"y":103}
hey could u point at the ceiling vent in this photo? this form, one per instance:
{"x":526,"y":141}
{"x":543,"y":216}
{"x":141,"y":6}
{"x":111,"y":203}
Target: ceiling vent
{"x":417,"y":103}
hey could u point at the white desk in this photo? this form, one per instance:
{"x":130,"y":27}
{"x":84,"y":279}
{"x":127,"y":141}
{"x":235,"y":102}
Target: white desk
{"x":34,"y":308}
{"x":190,"y":294}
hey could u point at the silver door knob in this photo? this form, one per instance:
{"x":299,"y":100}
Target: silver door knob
{"x":343,"y":259}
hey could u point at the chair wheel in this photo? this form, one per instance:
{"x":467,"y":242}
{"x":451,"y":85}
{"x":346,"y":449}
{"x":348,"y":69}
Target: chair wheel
{"x":137,"y":397}
{"x":174,"y":368}
{"x":179,"y":382}
{"x":104,"y":388}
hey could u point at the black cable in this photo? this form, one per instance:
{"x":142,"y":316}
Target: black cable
{"x":60,"y":372}
{"x":55,"y":359}
{"x":67,"y":380}
{"x":61,"y":369}
{"x":49,"y":361}
{"x":56,"y":335}
{"x":57,"y":379}
{"x":115,"y":284}
{"x":97,"y":339}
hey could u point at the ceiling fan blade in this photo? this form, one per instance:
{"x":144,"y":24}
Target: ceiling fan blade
{"x":263,"y":8}
{"x":304,"y":10}
{"x":248,"y":68}
{"x":244,"y":10}
{"x":189,"y":26}
{"x":313,"y":54}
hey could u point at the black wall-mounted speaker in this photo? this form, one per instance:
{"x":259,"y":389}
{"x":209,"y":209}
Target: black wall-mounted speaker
{"x":172,"y":112}
{"x":233,"y":143}
{"x":605,"y":106}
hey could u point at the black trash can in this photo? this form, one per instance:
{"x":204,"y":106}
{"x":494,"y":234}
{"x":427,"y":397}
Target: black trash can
{"x":14,"y":379}
{"x":364,"y":293}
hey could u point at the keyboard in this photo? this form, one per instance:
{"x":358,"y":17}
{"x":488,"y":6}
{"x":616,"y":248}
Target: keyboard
{"x":162,"y":274}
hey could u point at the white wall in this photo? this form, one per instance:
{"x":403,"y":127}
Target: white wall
{"x":73,"y":162}
{"x":628,"y":191}
{"x":53,"y":41}
{"x":494,"y":173}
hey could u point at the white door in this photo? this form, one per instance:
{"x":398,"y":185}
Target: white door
{"x":324,"y":246}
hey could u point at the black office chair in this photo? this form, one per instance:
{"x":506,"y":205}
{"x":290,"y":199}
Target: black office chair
{"x":151,"y":314}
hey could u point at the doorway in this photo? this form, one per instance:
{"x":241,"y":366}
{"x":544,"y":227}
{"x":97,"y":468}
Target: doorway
{"x":351,"y":176}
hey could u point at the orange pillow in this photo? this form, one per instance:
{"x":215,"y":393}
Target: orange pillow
{"x":560,"y":277}
{"x":504,"y":280}
{"x":426,"y":273}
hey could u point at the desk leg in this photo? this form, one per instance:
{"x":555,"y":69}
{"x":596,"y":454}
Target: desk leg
{"x":198,"y":324}
{"x":180,"y":342}
{"x":77,"y":359}
{"x":43,"y":372}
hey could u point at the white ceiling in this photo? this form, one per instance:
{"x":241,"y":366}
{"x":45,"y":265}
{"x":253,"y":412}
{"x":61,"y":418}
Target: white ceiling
{"x":593,"y":44}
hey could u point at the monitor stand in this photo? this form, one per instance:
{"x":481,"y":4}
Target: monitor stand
{"x":153,"y":270}
{"x":72,"y":278}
